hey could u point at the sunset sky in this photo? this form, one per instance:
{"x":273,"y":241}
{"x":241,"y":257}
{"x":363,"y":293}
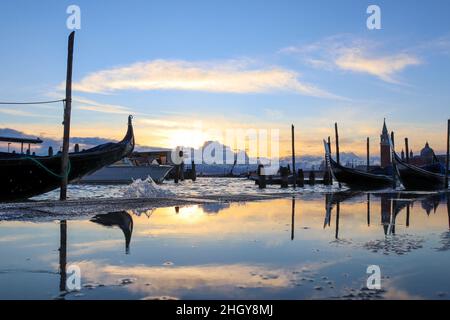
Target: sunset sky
{"x":178,"y":66}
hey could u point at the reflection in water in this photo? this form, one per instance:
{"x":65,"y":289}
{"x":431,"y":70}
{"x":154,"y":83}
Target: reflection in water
{"x":391,"y":206}
{"x":119,"y":219}
{"x":62,"y":254}
{"x":385,"y":205}
{"x":445,"y":237}
{"x":293,"y":218}
{"x":248,"y":250}
{"x":407,"y":214}
{"x":213,"y":208}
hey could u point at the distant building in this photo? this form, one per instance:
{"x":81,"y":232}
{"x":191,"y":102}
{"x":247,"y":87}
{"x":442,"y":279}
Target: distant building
{"x":385,"y":148}
{"x":426,"y":156}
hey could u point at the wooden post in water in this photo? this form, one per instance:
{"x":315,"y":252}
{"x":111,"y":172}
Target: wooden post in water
{"x":301,"y":178}
{"x":407,"y":150}
{"x":394,"y":183}
{"x":177,"y":173}
{"x":294,"y":175}
{"x":368,"y":154}
{"x":447,"y":162}
{"x":337,"y":142}
{"x":193,"y":171}
{"x":312,"y":178}
{"x":67,"y":111}
{"x":261,"y":177}
{"x":368,"y":209}
{"x":284,"y":172}
{"x":182,"y":171}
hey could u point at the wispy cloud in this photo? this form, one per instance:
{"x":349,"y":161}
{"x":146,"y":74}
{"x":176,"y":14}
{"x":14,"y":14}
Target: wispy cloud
{"x":22,"y":113}
{"x":349,"y":54}
{"x":233,"y":76}
{"x":91,"y":105}
{"x":385,"y":67}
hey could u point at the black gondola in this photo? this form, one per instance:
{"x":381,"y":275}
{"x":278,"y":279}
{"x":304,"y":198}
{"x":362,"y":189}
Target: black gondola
{"x":354,"y":178}
{"x":416,"y":178}
{"x":24,"y":176}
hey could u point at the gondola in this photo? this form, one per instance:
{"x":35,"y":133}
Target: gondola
{"x":417,"y":178}
{"x":24,"y":176}
{"x":357,"y":179}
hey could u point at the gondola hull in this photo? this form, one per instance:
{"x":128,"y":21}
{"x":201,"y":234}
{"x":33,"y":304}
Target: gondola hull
{"x":22,"y":177}
{"x":356,"y":179}
{"x":415,"y":178}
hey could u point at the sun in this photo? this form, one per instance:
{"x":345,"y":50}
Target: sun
{"x":186,"y":138}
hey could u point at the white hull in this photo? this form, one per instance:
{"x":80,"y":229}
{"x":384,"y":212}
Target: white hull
{"x":126,"y":174}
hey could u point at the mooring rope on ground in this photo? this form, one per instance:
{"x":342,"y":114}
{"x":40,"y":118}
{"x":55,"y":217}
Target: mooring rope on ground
{"x":34,"y":102}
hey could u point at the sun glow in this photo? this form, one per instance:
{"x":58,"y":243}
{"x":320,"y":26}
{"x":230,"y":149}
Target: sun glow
{"x":191,"y":138}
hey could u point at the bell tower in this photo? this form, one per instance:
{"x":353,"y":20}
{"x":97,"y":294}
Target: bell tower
{"x":385,"y":148}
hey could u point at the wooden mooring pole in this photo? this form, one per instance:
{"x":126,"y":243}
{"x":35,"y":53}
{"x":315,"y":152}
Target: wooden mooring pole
{"x":294,"y":174}
{"x":261,"y":177}
{"x":337,"y":142}
{"x":447,"y":161}
{"x":407,"y":150}
{"x":394,"y":182}
{"x":368,"y":154}
{"x":67,"y":112}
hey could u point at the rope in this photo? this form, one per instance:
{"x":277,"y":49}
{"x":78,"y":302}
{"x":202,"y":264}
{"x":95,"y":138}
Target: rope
{"x":60,"y":176}
{"x":34,"y":102}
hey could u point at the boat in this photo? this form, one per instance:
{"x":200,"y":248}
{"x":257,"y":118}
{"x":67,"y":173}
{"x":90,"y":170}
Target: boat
{"x":418,"y":178}
{"x":24,"y":176}
{"x":356,"y":179}
{"x":125,"y":172}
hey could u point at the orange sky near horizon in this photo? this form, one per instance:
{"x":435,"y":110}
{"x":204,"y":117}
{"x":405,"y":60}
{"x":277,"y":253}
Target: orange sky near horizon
{"x":308,"y":138}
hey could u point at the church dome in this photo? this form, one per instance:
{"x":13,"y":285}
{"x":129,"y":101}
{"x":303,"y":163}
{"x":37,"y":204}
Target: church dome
{"x":427,"y":151}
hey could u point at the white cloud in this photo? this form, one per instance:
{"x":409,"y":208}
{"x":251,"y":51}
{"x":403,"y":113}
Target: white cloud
{"x":232,"y":76}
{"x":343,"y":52}
{"x":91,"y":105}
{"x":385,"y":67}
{"x":22,"y":113}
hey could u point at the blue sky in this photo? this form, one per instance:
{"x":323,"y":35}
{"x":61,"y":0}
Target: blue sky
{"x":221,"y":64}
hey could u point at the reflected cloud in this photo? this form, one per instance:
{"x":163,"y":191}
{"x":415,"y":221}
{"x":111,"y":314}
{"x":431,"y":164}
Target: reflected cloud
{"x":176,"y":281}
